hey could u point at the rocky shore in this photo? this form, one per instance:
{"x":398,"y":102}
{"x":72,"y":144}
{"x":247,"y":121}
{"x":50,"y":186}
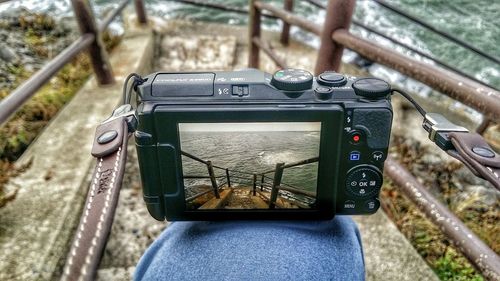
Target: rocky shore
{"x":28,"y":40}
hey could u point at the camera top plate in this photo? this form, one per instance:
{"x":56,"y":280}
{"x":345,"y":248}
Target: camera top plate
{"x":254,"y":86}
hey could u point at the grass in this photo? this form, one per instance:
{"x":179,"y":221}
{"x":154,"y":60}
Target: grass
{"x":33,"y":116}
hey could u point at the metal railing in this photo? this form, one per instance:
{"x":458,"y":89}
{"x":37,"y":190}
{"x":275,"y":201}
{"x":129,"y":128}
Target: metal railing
{"x":90,"y":40}
{"x":288,"y":191}
{"x":335,"y":36}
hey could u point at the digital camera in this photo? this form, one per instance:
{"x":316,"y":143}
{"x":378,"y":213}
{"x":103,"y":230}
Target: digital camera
{"x":251,"y":145}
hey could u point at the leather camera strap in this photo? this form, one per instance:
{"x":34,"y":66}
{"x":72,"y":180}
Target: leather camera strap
{"x":110,"y":149}
{"x":477,"y":155}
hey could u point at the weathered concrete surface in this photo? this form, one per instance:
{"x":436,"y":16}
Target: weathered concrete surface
{"x":388,"y":255}
{"x":36,"y":228}
{"x":192,"y":53}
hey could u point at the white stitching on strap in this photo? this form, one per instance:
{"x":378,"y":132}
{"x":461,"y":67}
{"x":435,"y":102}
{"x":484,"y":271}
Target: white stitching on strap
{"x":101,"y":218}
{"x":493,"y":172}
{"x":76,"y":243}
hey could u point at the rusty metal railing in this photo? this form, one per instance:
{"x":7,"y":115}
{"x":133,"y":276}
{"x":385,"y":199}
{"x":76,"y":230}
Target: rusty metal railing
{"x":90,"y":41}
{"x":335,"y":36}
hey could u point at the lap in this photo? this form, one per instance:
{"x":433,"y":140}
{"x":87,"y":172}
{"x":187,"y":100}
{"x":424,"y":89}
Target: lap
{"x":273,"y":250}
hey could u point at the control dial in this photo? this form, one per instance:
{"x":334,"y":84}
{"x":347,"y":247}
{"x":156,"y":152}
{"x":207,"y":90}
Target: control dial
{"x":364,"y":181}
{"x":371,"y":88}
{"x":332,"y":79}
{"x":292,"y":80}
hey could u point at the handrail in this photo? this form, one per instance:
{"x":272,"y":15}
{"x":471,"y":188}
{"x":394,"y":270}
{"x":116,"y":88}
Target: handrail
{"x":89,"y":40}
{"x":294,"y":164}
{"x":484,"y":99}
{"x":288,"y":17}
{"x":473,"y":247}
{"x":111,"y":16}
{"x":28,"y":88}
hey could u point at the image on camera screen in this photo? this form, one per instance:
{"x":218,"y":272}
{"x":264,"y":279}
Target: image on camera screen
{"x":264,"y":165}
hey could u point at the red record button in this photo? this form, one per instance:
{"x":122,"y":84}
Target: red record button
{"x":355,"y":137}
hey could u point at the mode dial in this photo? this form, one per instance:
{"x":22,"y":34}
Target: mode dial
{"x":371,"y":88}
{"x":332,"y":79}
{"x":292,"y":80}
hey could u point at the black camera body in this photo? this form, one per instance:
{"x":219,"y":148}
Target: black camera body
{"x":251,"y":145}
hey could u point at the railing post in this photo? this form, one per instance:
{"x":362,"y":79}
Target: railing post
{"x":97,"y":51}
{"x":254,"y":184}
{"x":262,"y":183}
{"x":285,"y":33}
{"x":253,"y":31}
{"x":140,"y":11}
{"x":338,"y":16}
{"x":278,"y":174}
{"x":228,"y":179}
{"x":213,"y":179}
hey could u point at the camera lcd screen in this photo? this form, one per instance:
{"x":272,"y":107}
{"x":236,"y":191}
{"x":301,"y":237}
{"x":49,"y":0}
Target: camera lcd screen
{"x":255,"y":165}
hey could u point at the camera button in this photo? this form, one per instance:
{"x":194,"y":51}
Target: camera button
{"x":372,"y":205}
{"x":323,"y":93}
{"x":349,"y":204}
{"x":240,"y":90}
{"x":378,"y":156}
{"x":332,"y":79}
{"x":363,"y":180}
{"x":355,"y":137}
{"x":354,"y":156}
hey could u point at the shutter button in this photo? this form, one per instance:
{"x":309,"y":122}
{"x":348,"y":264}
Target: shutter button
{"x":483,"y":151}
{"x":107,"y":137}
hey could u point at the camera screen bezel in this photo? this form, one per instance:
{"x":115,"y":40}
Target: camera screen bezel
{"x":167,"y":118}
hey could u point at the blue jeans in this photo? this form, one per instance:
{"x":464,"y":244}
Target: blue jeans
{"x":272,"y":250}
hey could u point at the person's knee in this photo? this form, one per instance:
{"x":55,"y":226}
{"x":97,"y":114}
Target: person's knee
{"x":256,"y":250}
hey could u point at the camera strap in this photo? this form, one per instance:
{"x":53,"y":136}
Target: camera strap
{"x":472,"y":150}
{"x":110,"y":150}
{"x":469,"y":148}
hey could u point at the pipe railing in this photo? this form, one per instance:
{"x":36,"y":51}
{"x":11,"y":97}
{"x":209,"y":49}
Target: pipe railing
{"x":90,"y":41}
{"x":482,"y":98}
{"x":334,"y":37}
